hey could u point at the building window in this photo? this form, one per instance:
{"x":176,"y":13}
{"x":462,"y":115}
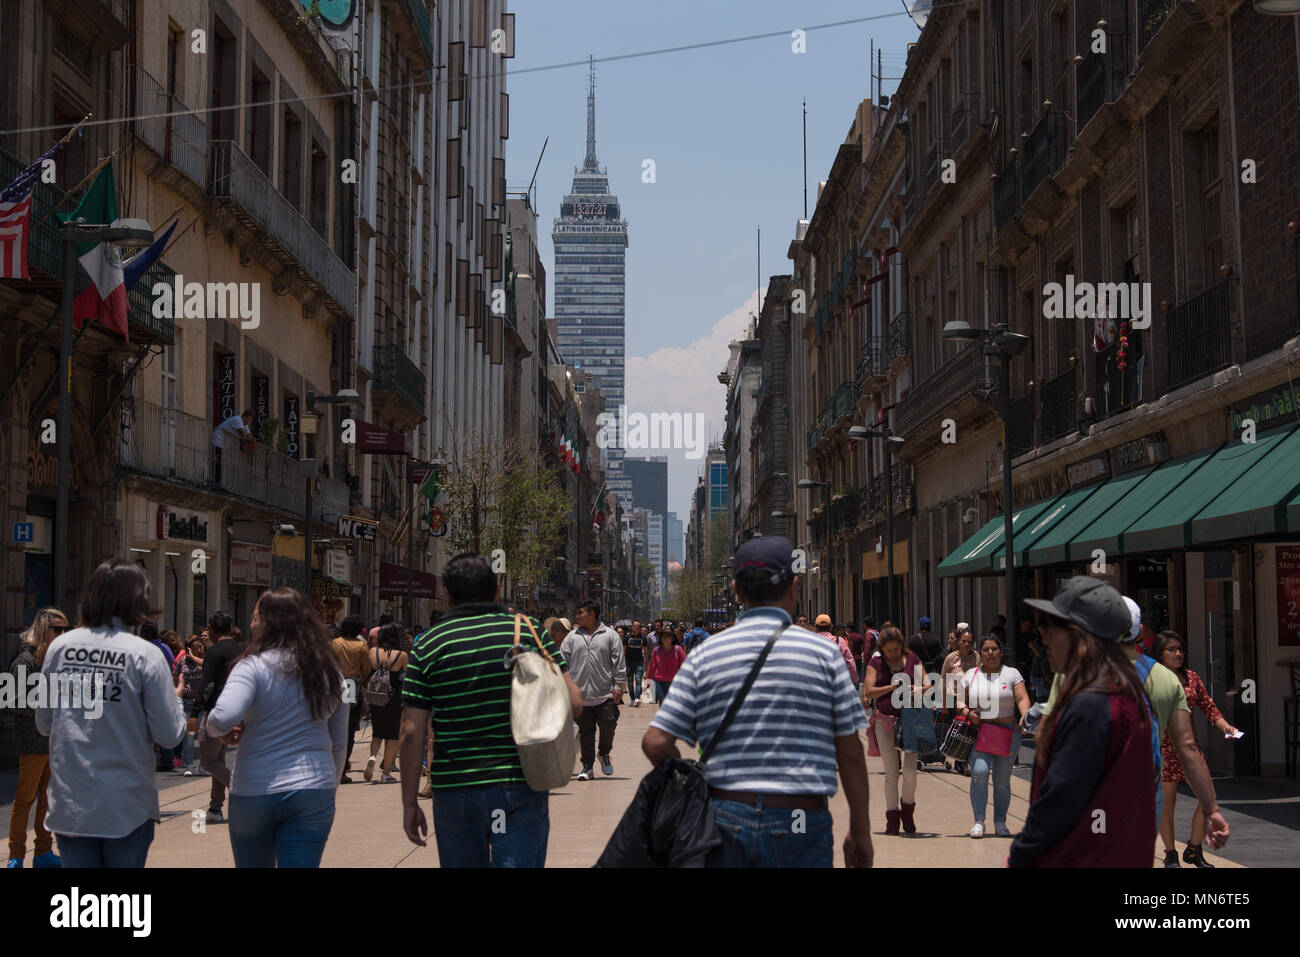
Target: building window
{"x":291,"y":161}
{"x":1211,"y":204}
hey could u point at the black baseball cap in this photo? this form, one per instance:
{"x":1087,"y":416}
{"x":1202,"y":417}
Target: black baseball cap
{"x":1090,"y":603}
{"x":769,"y":554}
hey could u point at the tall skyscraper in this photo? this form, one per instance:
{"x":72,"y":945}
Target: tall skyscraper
{"x":649,"y":479}
{"x":590,"y":242}
{"x":675,"y":548}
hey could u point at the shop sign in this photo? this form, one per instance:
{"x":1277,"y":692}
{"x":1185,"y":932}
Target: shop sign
{"x":359,"y":528}
{"x":324,"y":588}
{"x":1288,"y":595}
{"x":250,"y":564}
{"x":1264,"y":407}
{"x":377,"y":440}
{"x":1089,"y":470}
{"x":393,"y":582}
{"x":336,"y":565}
{"x":187,"y":527}
{"x":1135,"y":455}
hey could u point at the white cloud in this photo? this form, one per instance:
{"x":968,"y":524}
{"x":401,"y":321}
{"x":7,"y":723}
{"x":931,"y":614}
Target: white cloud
{"x":685,"y":379}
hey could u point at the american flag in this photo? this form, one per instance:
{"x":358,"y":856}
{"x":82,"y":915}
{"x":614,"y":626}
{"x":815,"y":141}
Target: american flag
{"x":15,"y":218}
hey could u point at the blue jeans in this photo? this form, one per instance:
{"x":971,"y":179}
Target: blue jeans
{"x":129,"y":851}
{"x":500,"y":825}
{"x":287,"y":829}
{"x":661,"y":690}
{"x":982,"y":765}
{"x":757,"y":836}
{"x":635,"y":672}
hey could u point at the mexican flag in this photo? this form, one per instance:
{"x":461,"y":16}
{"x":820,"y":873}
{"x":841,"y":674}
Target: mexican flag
{"x":598,"y":510}
{"x":102,"y":261}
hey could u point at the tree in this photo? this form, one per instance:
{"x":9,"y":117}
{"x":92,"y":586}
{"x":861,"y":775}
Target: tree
{"x":502,"y":495}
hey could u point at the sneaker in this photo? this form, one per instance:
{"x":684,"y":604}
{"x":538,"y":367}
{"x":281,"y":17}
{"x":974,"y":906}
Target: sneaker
{"x":1001,"y":829}
{"x":606,"y":766}
{"x":388,"y":779}
{"x":636,"y":702}
{"x":978,"y":830}
{"x":48,"y":859}
{"x":14,"y":862}
{"x":189,"y":773}
{"x":213,"y":817}
{"x":370,"y":767}
{"x":585,"y":774}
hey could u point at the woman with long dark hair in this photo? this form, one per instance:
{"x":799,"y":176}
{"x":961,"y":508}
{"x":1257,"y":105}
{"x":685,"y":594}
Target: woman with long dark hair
{"x":283,"y":703}
{"x":992,"y":695}
{"x":103,"y":796}
{"x":1171,"y":651}
{"x":665,"y":661}
{"x":189,"y":670}
{"x":1092,"y":802}
{"x":33,"y":747}
{"x":386,"y":719}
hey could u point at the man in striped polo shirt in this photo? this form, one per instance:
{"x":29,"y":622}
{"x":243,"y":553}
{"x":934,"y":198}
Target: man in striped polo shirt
{"x":773,"y":772}
{"x":484,"y":812}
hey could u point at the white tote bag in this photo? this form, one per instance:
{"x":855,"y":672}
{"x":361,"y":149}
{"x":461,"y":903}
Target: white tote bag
{"x":541,"y":715}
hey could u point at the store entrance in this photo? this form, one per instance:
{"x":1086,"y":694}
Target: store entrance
{"x":1218,"y":671}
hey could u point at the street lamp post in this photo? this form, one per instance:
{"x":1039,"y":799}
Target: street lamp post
{"x":127,"y":232}
{"x":309,"y":425}
{"x":1004,"y":345}
{"x":860,"y":433}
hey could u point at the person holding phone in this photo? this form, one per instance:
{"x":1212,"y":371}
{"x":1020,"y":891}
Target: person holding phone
{"x":993,"y":694}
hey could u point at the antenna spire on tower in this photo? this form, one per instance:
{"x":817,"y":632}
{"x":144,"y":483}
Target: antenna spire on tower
{"x":591,"y":116}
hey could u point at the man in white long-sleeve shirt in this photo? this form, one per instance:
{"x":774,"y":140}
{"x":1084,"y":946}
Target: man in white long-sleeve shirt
{"x":594,"y":654}
{"x":236,"y":426}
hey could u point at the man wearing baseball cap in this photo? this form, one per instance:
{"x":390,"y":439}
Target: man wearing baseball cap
{"x":927,"y":646}
{"x":799,"y":719}
{"x":1098,"y":609}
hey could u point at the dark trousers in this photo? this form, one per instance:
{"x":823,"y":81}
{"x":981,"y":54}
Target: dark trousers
{"x":603,"y":716}
{"x":354,"y":725}
{"x":218,"y":796}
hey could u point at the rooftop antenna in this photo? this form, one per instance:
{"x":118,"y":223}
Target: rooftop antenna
{"x":535,"y":169}
{"x":591,"y":116}
{"x":805,"y":159}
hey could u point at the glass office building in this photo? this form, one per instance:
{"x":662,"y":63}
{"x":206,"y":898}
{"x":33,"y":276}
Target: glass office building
{"x":590,"y":239}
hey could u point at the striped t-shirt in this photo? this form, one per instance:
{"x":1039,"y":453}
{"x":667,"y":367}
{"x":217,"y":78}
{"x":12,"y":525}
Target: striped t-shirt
{"x":458,"y":672}
{"x":782,"y":740}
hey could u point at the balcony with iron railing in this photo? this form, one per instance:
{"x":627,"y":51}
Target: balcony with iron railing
{"x":180,"y":140}
{"x":1006,"y":194}
{"x":1100,"y":79}
{"x":1059,"y":406}
{"x":398,"y":382}
{"x":1044,"y":151}
{"x":177,"y":447}
{"x":1151,"y":17}
{"x":45,"y":259}
{"x":873,"y":366}
{"x":237,"y":181}
{"x":839,"y":405}
{"x":899,"y":344}
{"x":1199,"y":335}
{"x":959,"y":124}
{"x":961,"y":375}
{"x":1119,"y":377}
{"x":1022,"y":424}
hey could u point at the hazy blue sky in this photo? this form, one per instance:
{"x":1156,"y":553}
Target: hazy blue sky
{"x":723,"y":125}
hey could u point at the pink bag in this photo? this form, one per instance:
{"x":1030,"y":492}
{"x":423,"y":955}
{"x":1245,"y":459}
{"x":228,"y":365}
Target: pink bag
{"x":873,"y":746}
{"x":993,"y":739}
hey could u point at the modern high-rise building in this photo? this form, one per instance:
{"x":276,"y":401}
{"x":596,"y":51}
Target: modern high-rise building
{"x":590,"y":240}
{"x":674,"y":546}
{"x":649,"y":481}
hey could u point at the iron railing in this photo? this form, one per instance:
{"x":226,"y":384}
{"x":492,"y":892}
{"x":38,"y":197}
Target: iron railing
{"x":1059,"y":399}
{"x":235,"y":177}
{"x":1119,"y":380}
{"x":962,"y":374}
{"x":872,"y":361}
{"x":840,"y":403}
{"x":394,"y":372}
{"x":176,"y":446}
{"x":1044,"y":152}
{"x":179,"y":140}
{"x":1151,"y":17}
{"x":899,"y":343}
{"x":1200,"y":340}
{"x":960,"y":124}
{"x":1021,"y":426}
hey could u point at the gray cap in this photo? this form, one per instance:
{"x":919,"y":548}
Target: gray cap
{"x":1090,"y":603}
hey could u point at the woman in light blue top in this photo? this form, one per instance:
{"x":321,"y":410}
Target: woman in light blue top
{"x":283,"y":704}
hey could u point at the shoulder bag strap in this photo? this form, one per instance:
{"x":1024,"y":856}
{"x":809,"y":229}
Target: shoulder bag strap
{"x":521,"y":618}
{"x":740,"y":696}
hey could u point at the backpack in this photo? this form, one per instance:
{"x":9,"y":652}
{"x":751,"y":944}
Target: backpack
{"x":379,"y":690}
{"x":635,"y":643}
{"x":1144,"y":664}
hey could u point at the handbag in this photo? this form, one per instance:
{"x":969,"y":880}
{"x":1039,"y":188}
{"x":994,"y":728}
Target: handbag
{"x":890,"y":724}
{"x":379,"y":689}
{"x":959,"y":740}
{"x":541,"y":714}
{"x":993,"y":739}
{"x":687,"y":783}
{"x":917,"y":723}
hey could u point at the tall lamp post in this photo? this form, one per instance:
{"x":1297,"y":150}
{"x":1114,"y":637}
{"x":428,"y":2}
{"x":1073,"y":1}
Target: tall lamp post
{"x":126,"y":232}
{"x":309,"y":425}
{"x":1004,"y":345}
{"x":860,"y":433}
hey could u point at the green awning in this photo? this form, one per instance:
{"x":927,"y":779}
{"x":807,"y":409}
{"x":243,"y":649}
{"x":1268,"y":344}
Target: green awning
{"x":1027,"y":536}
{"x":1107,"y":532}
{"x":1293,"y":515}
{"x":975,"y":555}
{"x":1167,"y":524}
{"x":1256,"y":503}
{"x":1058,"y":545}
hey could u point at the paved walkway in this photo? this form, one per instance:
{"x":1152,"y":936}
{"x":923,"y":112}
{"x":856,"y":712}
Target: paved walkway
{"x":367,"y":826}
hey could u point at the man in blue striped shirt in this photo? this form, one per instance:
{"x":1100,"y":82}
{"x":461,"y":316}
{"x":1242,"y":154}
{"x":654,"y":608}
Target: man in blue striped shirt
{"x":772,"y":774}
